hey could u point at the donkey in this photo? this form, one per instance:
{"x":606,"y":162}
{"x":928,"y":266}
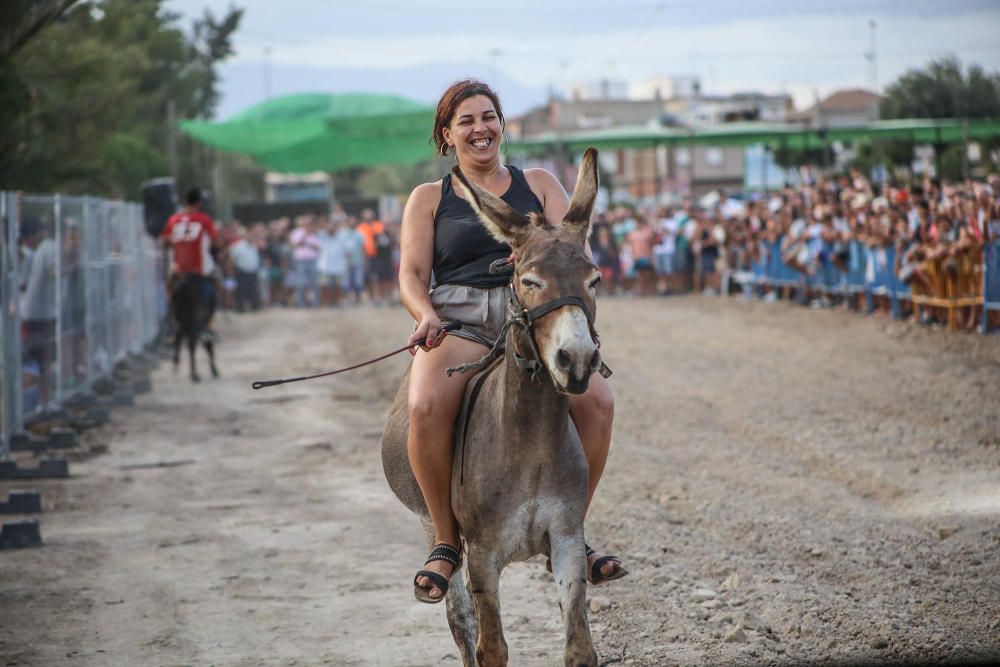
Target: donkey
{"x":192,"y":311}
{"x":519,"y":482}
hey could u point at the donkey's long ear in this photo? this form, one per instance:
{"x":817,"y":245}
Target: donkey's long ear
{"x":584,"y":194}
{"x":501,"y":221}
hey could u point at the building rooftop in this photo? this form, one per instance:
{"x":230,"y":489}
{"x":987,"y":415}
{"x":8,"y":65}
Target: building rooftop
{"x":853,"y":99}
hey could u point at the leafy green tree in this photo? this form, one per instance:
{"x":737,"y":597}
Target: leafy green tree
{"x":83,"y":104}
{"x":20,"y":20}
{"x":942,"y":89}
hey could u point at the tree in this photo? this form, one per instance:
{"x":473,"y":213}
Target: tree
{"x":943,"y":89}
{"x":83,"y":105}
{"x":20,"y":20}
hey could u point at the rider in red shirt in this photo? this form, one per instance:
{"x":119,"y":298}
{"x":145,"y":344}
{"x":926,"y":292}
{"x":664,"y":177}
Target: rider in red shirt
{"x":193,"y":240}
{"x":192,"y":236}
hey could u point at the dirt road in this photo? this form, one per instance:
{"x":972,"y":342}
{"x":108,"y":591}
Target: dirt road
{"x":785,"y":485}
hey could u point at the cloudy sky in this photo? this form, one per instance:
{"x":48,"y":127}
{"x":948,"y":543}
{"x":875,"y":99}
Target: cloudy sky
{"x":801,"y":47}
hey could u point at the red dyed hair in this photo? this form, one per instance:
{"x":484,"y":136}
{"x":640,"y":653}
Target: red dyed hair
{"x":457,"y":93}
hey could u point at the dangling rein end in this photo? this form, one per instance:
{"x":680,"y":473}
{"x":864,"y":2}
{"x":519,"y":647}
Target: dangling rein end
{"x":260,"y":384}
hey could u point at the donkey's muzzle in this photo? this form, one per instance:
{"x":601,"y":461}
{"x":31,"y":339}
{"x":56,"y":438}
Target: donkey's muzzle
{"x":577,"y":368}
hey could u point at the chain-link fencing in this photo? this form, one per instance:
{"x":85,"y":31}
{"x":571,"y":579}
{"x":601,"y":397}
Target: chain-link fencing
{"x":81,"y":288}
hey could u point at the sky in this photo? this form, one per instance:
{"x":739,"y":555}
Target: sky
{"x":527,"y":47}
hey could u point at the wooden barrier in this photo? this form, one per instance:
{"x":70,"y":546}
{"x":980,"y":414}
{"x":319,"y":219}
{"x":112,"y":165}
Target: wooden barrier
{"x":951,"y":283}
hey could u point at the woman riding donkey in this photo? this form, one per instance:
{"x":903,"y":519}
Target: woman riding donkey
{"x":442,"y":237}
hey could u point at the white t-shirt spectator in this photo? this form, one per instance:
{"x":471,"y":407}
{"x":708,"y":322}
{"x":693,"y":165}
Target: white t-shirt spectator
{"x":246,"y":256}
{"x":333,"y":259}
{"x":39,"y":299}
{"x":354,"y":246}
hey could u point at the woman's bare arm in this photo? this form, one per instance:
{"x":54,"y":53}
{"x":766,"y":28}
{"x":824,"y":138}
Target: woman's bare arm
{"x":416,"y":260}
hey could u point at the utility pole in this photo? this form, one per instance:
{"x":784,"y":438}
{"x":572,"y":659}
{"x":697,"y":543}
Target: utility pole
{"x":172,"y":137}
{"x":872,"y":57}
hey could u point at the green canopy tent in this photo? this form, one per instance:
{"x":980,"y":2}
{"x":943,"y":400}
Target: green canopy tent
{"x":320,"y":132}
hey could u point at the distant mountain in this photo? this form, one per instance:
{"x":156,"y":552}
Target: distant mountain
{"x":244,"y":84}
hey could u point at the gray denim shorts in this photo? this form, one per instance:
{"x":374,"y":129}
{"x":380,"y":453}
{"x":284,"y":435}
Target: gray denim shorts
{"x":481,"y":311}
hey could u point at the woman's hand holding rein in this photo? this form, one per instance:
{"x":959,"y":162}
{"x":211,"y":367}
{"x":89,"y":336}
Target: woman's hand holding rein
{"x":430,"y":328}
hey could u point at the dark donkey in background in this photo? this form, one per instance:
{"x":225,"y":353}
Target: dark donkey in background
{"x":519,"y":481}
{"x":192,"y":305}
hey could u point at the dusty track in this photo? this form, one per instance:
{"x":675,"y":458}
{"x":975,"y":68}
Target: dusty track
{"x":827,"y":481}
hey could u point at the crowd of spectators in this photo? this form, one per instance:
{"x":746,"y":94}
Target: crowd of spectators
{"x":827,"y":231}
{"x":310,"y":261}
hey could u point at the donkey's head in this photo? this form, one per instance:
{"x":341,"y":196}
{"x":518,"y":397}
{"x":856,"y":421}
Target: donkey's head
{"x":554,"y":281}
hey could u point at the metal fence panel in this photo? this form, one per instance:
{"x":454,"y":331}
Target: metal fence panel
{"x":991,"y":282}
{"x":81,"y":288}
{"x":10,"y":323}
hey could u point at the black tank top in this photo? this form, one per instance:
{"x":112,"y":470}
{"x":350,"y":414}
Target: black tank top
{"x":463,"y":249}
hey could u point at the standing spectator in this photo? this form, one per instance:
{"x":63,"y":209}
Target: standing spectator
{"x":279,"y":257}
{"x":605,"y":255}
{"x":663,"y":251}
{"x":305,"y":252}
{"x":333,"y":262}
{"x":246,"y":260}
{"x":38,"y":306}
{"x":354,"y":243}
{"x":641,"y":241}
{"x":74,"y":306}
{"x":378,"y":251}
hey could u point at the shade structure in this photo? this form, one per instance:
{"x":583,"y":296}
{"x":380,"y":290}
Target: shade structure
{"x":771,"y":134}
{"x":321,"y":132}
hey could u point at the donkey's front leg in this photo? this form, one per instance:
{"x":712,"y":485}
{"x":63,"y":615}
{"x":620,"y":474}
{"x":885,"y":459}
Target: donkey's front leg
{"x":210,"y":348}
{"x":484,"y":582}
{"x":192,"y":348}
{"x":569,"y":567}
{"x":178,"y":340}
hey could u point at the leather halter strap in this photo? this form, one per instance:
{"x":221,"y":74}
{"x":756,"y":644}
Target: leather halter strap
{"x":525,"y":319}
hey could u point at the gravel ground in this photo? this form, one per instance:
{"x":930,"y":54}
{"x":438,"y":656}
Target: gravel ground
{"x":787,"y":486}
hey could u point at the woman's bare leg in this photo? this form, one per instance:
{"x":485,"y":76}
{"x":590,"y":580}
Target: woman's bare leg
{"x":433,"y":402}
{"x":593,"y":413}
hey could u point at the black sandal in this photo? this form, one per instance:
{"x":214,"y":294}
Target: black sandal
{"x":596,"y":576}
{"x":447,"y":553}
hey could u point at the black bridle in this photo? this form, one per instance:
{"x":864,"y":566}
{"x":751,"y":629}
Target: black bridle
{"x":524,"y":318}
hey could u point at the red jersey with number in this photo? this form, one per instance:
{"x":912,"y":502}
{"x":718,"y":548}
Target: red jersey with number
{"x":190,"y":234}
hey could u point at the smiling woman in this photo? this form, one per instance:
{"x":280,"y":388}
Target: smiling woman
{"x":488,"y":107}
{"x":443,"y":239}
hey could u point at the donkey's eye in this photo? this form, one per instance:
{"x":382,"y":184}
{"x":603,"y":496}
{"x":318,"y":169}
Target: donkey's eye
{"x":594,"y":283}
{"x":531,"y":284}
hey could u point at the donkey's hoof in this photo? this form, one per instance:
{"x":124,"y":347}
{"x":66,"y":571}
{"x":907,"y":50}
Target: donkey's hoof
{"x":195,"y":378}
{"x":215,"y":373}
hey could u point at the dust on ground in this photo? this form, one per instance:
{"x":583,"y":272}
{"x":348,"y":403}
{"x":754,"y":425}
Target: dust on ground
{"x":785,"y":485}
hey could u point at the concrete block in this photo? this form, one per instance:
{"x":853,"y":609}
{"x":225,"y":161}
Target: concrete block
{"x":20,"y":534}
{"x":22,"y":502}
{"x":63,"y":438}
{"x":54,"y":468}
